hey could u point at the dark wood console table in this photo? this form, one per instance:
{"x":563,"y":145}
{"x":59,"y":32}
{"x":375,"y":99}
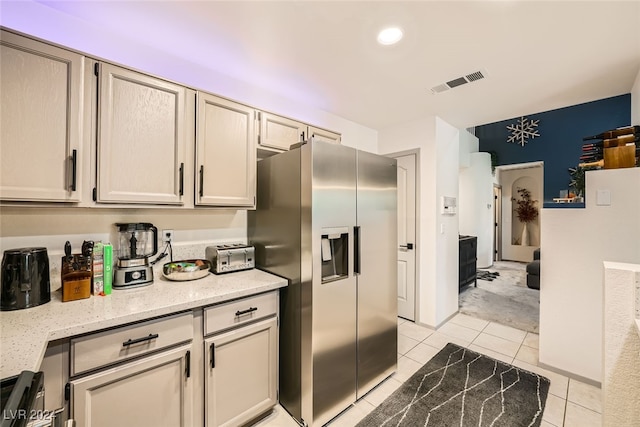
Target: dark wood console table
{"x":468,"y":247}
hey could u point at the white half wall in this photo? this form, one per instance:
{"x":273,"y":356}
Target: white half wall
{"x":437,"y":235}
{"x":621,"y":357}
{"x":635,"y":101}
{"x":575,"y":245}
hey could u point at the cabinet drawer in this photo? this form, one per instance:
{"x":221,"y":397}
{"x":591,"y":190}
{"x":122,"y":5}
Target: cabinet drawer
{"x":104,"y":348}
{"x":225,"y":316}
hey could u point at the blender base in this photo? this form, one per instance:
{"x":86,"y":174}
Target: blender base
{"x":132,"y":277}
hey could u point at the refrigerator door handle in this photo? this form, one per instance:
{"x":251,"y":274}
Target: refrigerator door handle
{"x":356,"y":250}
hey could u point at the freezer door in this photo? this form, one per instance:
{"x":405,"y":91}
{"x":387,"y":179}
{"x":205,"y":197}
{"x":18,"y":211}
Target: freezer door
{"x":376,"y":238}
{"x":334,"y":298}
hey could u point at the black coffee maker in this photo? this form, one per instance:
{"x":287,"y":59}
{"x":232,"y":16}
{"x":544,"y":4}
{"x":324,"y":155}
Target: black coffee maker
{"x":25,"y":278}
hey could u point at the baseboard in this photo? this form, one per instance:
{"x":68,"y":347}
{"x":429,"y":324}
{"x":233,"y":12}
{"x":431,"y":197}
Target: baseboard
{"x":446,"y":320}
{"x":570,"y":375}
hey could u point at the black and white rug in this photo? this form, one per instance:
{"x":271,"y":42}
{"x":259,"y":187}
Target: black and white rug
{"x":459,"y":387}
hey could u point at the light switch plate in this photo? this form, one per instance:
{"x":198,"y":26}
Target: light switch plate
{"x":603,"y":198}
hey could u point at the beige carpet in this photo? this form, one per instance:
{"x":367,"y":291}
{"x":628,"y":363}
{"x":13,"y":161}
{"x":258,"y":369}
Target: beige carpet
{"x":505,"y":300}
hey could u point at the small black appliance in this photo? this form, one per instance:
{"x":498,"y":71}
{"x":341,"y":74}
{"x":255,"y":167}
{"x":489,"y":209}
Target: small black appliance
{"x":25,"y":278}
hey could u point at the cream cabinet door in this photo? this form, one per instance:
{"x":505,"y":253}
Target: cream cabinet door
{"x":141,"y":138}
{"x":225,"y":153}
{"x":318,"y":134}
{"x":241,"y":374}
{"x":153,"y":391}
{"x":40,"y":116}
{"x":280,"y":132}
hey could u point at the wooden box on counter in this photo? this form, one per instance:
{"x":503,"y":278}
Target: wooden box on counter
{"x":620,"y":157}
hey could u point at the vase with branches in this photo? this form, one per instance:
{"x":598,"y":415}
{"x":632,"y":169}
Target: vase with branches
{"x":526,"y":211}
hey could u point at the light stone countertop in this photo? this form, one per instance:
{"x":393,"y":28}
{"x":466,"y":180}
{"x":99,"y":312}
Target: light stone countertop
{"x":24,"y":334}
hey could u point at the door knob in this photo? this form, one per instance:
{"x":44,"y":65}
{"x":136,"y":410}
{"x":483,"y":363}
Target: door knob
{"x":408,"y":246}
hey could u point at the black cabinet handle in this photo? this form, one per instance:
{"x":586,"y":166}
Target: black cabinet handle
{"x":212,"y":355}
{"x":139,"y":340}
{"x":187,"y":368}
{"x":247,"y":311}
{"x":74,"y":169}
{"x":408,"y":246}
{"x":182,"y":179}
{"x":201,"y":180}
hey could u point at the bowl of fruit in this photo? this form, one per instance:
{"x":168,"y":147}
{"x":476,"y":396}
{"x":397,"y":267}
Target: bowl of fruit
{"x":190,"y":269}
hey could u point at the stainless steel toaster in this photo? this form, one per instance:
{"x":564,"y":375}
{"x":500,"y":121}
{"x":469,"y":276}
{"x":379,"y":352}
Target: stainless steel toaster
{"x":231,"y":257}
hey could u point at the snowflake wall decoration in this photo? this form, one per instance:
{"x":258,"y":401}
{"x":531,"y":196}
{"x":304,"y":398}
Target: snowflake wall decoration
{"x":523,"y":130}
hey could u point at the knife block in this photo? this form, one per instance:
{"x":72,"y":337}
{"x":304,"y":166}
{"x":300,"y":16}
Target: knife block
{"x":75,"y":277}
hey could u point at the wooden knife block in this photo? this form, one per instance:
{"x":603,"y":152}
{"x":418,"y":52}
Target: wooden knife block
{"x":620,"y":157}
{"x":76,"y":278}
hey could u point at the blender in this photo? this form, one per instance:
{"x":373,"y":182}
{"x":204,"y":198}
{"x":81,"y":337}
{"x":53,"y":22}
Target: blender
{"x":137,"y":243}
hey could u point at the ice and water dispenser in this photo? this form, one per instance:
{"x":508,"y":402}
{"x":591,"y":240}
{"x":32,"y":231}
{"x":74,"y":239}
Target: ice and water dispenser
{"x":335,"y":254}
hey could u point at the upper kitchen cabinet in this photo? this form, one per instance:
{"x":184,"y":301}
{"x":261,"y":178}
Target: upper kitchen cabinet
{"x":317,"y":134}
{"x":141,"y":138}
{"x":225,"y":153}
{"x":40,"y":94}
{"x":277,"y":132}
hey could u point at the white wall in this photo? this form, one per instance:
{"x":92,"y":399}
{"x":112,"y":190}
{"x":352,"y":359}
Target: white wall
{"x":475,"y":207}
{"x":621,"y":362}
{"x":446,"y":227}
{"x":468,"y":144}
{"x":635,"y":101}
{"x":437,"y":253}
{"x":510,"y":178}
{"x":575,"y":245}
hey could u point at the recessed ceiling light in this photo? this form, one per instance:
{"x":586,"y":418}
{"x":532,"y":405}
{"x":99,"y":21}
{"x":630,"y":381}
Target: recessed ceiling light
{"x":390,"y":35}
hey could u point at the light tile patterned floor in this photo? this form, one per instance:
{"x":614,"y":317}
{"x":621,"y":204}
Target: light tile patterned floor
{"x":570,"y":403}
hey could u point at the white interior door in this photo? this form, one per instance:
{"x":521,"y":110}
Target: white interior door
{"x":406,"y":236}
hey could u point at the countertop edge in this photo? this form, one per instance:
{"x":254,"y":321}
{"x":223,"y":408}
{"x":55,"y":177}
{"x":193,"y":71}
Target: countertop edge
{"x":20,"y":353}
{"x":159,"y":312}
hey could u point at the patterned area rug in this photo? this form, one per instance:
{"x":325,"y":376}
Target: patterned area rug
{"x":459,"y":387}
{"x":505,"y":299}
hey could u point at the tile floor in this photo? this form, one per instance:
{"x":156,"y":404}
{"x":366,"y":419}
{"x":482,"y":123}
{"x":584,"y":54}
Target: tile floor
{"x":570,"y":403}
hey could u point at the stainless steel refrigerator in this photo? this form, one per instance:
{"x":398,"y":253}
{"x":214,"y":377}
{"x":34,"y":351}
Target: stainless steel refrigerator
{"x":326,"y":220}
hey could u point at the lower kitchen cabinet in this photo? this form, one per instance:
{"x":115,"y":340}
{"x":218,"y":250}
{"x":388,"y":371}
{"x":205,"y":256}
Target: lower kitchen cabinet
{"x":161,"y":371}
{"x":241,"y":376}
{"x":154,"y":391}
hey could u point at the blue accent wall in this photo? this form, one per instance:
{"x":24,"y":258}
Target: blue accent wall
{"x":559,"y":145}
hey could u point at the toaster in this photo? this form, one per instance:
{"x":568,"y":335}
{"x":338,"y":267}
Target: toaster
{"x":230,"y":257}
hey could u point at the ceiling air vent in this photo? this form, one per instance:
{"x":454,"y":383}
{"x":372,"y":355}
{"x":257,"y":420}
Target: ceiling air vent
{"x":440,"y":88}
{"x":474,"y":76}
{"x":457,"y":82}
{"x":469,"y":78}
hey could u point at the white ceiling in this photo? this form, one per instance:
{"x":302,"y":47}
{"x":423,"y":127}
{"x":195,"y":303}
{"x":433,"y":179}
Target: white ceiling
{"x":539,"y":55}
